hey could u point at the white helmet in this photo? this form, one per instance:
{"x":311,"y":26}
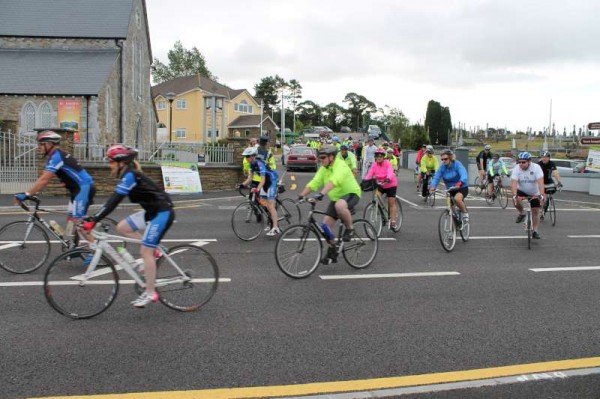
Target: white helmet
{"x":250,"y":151}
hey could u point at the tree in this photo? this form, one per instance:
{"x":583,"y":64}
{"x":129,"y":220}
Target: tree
{"x":268,"y":90}
{"x":294,"y":96}
{"x":309,"y":113}
{"x":438,"y":122}
{"x":334,"y":116}
{"x":414,"y":137}
{"x":182,"y":62}
{"x":357,"y":105}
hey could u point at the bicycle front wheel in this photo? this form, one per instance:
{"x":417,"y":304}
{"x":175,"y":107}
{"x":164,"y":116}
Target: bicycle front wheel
{"x":502,"y":197}
{"x":528,"y":227}
{"x":24,"y":247}
{"x":431,"y":199}
{"x":399,"y":215}
{"x":247,"y":221}
{"x":285,"y":217}
{"x":373,"y":216}
{"x":447,"y":231}
{"x":294,"y":210}
{"x":465,"y":231}
{"x":552,"y":211}
{"x":362,"y":250}
{"x":71,"y":294}
{"x":298,"y":251}
{"x":478,"y":185}
{"x":186,"y":278}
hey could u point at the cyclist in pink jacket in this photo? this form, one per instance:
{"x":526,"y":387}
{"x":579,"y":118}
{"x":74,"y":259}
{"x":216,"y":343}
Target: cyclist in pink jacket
{"x":383,"y":172}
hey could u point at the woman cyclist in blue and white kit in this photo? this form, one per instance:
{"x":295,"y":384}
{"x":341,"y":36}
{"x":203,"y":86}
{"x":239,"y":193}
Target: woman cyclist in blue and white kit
{"x":155,"y":218}
{"x":455,"y":175}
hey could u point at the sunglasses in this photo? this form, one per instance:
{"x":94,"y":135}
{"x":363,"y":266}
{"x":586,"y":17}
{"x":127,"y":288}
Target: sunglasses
{"x":445,"y":159}
{"x":323,"y":157}
{"x":379,"y":156}
{"x":249,"y":156}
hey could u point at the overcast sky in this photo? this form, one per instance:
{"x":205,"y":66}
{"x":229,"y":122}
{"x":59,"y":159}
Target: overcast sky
{"x":491,"y":61}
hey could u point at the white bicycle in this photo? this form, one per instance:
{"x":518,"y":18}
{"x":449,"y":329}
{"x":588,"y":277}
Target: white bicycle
{"x":187,"y":277}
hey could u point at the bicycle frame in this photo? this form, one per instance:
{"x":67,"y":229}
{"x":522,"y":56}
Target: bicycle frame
{"x":35,"y":217}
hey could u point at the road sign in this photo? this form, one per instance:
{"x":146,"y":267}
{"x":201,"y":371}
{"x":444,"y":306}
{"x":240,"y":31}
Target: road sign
{"x":594,"y":125}
{"x":590,"y":140}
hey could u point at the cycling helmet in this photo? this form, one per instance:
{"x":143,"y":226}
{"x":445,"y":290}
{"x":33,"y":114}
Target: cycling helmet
{"x":546,"y":154}
{"x":487,"y":147}
{"x":263,"y":139}
{"x":328,"y":150}
{"x":496,"y":156}
{"x":524,"y":156}
{"x":390,"y":151}
{"x":385,"y":143}
{"x":380,"y":151}
{"x":48,"y":136}
{"x":336,"y":138}
{"x":447,"y":152}
{"x":120,"y":152}
{"x":429,"y":149}
{"x":250,"y":151}
{"x":344,"y":147}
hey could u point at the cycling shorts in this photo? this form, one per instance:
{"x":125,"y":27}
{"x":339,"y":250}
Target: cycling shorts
{"x":155,"y":229}
{"x":351,"y":200}
{"x":270,"y":193}
{"x":390,"y":192}
{"x":463,"y":190}
{"x":535,"y":202}
{"x":81,"y":201}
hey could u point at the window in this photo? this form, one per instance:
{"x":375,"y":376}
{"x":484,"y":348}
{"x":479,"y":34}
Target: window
{"x":45,"y":115}
{"x":180,"y":133}
{"x":28,"y":117}
{"x":108,"y":109}
{"x":181,"y":104}
{"x":133,"y":62}
{"x":140,"y":74}
{"x":162,"y":105}
{"x":243,"y":107}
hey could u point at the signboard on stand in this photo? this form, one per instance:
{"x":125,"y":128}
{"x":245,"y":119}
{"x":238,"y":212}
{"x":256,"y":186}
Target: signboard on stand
{"x":181,"y":177}
{"x":69,"y":115}
{"x":592,"y":162}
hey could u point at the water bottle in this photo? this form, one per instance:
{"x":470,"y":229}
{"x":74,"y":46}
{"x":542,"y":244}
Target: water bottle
{"x":126,"y":255}
{"x":327,"y":231}
{"x":56,"y":227}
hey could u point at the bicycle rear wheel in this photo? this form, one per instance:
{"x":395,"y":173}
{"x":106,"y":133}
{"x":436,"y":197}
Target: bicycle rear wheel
{"x":294,"y":210}
{"x":502,"y":197}
{"x":399,"y":215}
{"x":197,"y":285}
{"x":71,"y":294}
{"x":24,"y":247}
{"x":478,"y":185}
{"x":528,"y":228}
{"x":285,"y":216}
{"x":447,"y":231}
{"x":465,"y":231}
{"x":247,"y":221}
{"x":431,"y":199}
{"x":362,"y":250}
{"x":298,"y":251}
{"x":552,"y":210}
{"x":373,"y":216}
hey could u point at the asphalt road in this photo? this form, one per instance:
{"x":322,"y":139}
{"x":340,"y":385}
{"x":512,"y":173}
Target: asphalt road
{"x":264,"y":329}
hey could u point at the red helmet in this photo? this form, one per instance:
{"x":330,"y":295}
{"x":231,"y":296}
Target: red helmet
{"x":48,"y":136}
{"x":380,"y":151}
{"x":120,"y":152}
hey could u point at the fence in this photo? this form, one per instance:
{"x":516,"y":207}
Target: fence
{"x":178,"y":152}
{"x":18,"y":162}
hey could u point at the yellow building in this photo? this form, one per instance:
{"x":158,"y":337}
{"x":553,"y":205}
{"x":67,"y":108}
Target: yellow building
{"x":192,"y":111}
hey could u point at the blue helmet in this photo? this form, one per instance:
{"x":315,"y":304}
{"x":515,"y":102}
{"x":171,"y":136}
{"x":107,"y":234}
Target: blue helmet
{"x":524,"y":156}
{"x":487,"y":147}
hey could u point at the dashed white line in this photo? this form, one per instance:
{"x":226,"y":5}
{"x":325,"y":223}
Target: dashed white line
{"x":386,"y":275}
{"x":565,"y":269}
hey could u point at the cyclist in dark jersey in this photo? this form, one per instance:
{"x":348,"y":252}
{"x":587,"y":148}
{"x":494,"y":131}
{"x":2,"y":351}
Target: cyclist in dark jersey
{"x":155,"y":219}
{"x":74,"y":177}
{"x":550,"y":170}
{"x":482,"y":160}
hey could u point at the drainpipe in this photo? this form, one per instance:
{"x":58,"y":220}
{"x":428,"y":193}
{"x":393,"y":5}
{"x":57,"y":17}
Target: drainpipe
{"x":87,"y":125}
{"x":119,"y":44}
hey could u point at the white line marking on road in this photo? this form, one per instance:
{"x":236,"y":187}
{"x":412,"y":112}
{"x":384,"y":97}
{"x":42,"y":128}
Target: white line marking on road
{"x":408,"y":202}
{"x":9,"y":245}
{"x":96,"y":282}
{"x":565,"y":269}
{"x":586,"y":236}
{"x":386,"y":275}
{"x":322,"y":239}
{"x":226,"y":207}
{"x":495,"y":237}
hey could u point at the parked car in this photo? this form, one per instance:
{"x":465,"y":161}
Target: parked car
{"x":581,"y":167}
{"x":566,"y":165}
{"x":302,"y":157}
{"x":509,"y":163}
{"x":345,"y":129}
{"x":374,"y":132}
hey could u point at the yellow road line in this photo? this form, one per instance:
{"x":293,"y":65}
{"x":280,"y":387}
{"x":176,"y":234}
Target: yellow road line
{"x":356,"y":385}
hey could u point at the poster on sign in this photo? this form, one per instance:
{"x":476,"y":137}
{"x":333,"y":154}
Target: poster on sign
{"x":593,"y":161}
{"x":181,"y":178}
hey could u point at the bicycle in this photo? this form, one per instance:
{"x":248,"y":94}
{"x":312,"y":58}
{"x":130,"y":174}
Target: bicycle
{"x":549,"y":206}
{"x":187,"y":277}
{"x":299,"y":249}
{"x":528,"y":222}
{"x":377,"y":212}
{"x":248,"y":218}
{"x":25,"y":244}
{"x":480,"y":185}
{"x":450,"y":222}
{"x":498,"y":193}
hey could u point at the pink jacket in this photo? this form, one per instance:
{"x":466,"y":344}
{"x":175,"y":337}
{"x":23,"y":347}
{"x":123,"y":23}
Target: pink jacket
{"x":382,"y":172}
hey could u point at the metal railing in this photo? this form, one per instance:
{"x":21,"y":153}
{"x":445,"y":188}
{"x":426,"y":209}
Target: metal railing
{"x":174,"y":152}
{"x":18,"y":162}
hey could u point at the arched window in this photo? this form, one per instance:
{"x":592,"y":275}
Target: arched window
{"x":45,"y":116}
{"x":108,"y":109}
{"x":28,"y":117}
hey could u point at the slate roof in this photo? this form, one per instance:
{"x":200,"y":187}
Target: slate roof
{"x":247,"y":121}
{"x":65,"y":18}
{"x":186,"y":83}
{"x":55,"y":72}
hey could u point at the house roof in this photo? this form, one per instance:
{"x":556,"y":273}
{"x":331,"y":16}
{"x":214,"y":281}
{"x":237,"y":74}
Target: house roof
{"x":184,"y":84}
{"x":55,"y":72}
{"x":66,"y":18}
{"x":248,"y":121}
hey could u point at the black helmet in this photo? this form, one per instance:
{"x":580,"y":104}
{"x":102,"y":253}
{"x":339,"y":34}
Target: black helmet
{"x":328,"y":150}
{"x":264,"y":139}
{"x":546,"y":154}
{"x":448,"y":151}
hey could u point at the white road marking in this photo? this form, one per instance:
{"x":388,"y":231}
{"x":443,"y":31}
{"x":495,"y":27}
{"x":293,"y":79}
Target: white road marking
{"x":387,"y":275}
{"x":9,"y":245}
{"x":586,"y":236}
{"x":322,"y":239}
{"x":226,"y":207}
{"x":408,"y":202}
{"x":495,"y":237}
{"x":565,"y":269}
{"x":96,"y":282}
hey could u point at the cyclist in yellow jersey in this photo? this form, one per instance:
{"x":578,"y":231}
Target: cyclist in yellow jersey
{"x":429,"y":165}
{"x":335,"y":179}
{"x":349,"y":158}
{"x":246,"y":165}
{"x":389,"y":155}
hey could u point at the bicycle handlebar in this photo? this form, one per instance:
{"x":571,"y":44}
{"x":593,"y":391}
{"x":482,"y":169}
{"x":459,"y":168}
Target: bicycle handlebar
{"x":32,"y":198}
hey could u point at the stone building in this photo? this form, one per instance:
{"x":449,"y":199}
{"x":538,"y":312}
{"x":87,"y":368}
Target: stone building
{"x":83,"y":64}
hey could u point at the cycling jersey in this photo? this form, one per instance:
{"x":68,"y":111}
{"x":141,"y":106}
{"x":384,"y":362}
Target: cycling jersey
{"x":369,"y":153}
{"x":496,"y":168}
{"x":382,"y":171}
{"x":394,"y":161}
{"x":420,"y":154}
{"x":246,"y":168}
{"x":483,"y":156}
{"x":342,"y":178}
{"x":527,"y":180}
{"x":259,"y":168}
{"x":429,"y":164}
{"x":350,"y":159}
{"x":452,"y":173}
{"x":267,"y":156}
{"x":68,"y":170}
{"x":547,"y":168}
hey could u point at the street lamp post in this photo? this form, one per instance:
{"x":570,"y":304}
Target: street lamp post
{"x":170,"y":97}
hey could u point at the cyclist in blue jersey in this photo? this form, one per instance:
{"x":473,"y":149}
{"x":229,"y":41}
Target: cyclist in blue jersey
{"x":154,"y":220}
{"x":267,"y":186}
{"x":454,"y":174}
{"x":74,"y":177}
